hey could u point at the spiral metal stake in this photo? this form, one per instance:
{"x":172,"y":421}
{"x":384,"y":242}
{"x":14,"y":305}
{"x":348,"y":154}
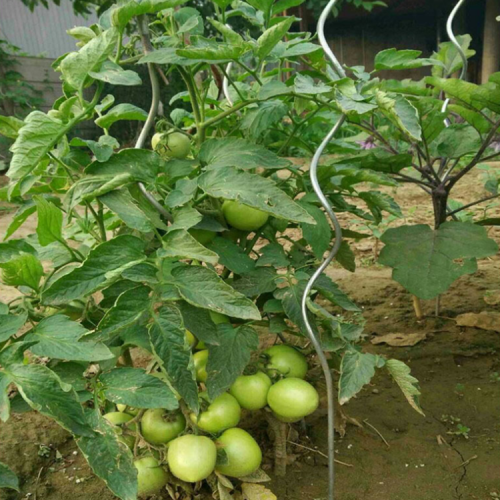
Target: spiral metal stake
{"x":333,"y":252}
{"x":153,"y":111}
{"x":465,"y":63}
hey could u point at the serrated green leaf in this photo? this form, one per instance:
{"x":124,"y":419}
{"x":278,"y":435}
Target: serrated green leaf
{"x":256,"y":282}
{"x":44,"y":391}
{"x":59,"y":337}
{"x":101,"y":268}
{"x":333,"y":293}
{"x":49,"y":228}
{"x":253,"y":190}
{"x":134,"y":387}
{"x":10,"y":126}
{"x":274,"y":255}
{"x":318,"y":235}
{"x":356,"y":370}
{"x":258,"y":121}
{"x":14,"y":248}
{"x":424,"y":261}
{"x":304,"y":84}
{"x":408,"y":384}
{"x":199,"y":323}
{"x":25,"y":270}
{"x":181,"y":245}
{"x":10,"y":324}
{"x":378,"y":202}
{"x":401,"y":59}
{"x":184,"y":191}
{"x":203,"y":288}
{"x":232,"y":256}
{"x":109,"y":458}
{"x":171,"y":349}
{"x":239,"y":153}
{"x":229,"y":357}
{"x":268,"y":40}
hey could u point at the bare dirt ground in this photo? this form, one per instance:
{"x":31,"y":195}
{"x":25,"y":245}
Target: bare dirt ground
{"x":400,"y":455}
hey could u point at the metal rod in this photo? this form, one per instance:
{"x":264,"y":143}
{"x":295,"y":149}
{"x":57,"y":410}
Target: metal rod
{"x":463,"y":55}
{"x":153,"y":111}
{"x":333,"y":252}
{"x":225,"y":84}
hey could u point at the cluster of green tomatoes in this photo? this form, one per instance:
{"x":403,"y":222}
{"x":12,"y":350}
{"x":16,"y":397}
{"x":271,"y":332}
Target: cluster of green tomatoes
{"x":212,"y":440}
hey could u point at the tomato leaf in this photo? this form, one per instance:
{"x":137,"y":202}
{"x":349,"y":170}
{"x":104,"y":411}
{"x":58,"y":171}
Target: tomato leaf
{"x":25,"y":270}
{"x":8,"y":479}
{"x":228,"y":358}
{"x":101,"y":268}
{"x":232,"y":256}
{"x":180,"y":244}
{"x":268,"y":40}
{"x":134,"y":387}
{"x":50,"y":218}
{"x":171,"y":349}
{"x":124,"y":111}
{"x":10,"y":324}
{"x":408,"y":384}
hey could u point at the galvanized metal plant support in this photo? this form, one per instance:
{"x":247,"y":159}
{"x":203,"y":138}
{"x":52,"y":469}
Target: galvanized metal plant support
{"x":339,"y":70}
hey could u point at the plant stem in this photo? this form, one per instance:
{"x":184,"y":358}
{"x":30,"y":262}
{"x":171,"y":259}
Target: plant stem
{"x":487,"y":198}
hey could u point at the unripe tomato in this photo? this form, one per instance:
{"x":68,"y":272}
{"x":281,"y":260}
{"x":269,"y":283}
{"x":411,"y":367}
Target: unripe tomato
{"x":202,"y":235}
{"x":242,"y":216}
{"x":127,"y":409}
{"x":118,"y":418}
{"x":171,"y":144}
{"x":200,"y":365}
{"x":224,"y":412}
{"x":292,"y":399}
{"x":159,"y":426}
{"x":151,"y":477}
{"x":251,"y":390}
{"x":243,"y":455}
{"x":285,"y":360}
{"x":191,"y":458}
{"x":191,"y":339}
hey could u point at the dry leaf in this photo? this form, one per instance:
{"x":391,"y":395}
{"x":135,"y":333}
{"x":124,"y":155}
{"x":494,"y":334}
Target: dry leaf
{"x":259,"y":476}
{"x":252,"y":491}
{"x":486,"y":320}
{"x":492,"y":297}
{"x":400,"y":339}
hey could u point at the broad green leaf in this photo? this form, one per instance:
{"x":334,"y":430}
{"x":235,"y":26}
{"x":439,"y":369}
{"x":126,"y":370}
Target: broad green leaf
{"x":424,"y":261}
{"x":185,"y":218}
{"x":455,"y":88}
{"x":300,"y":49}
{"x":124,"y":111}
{"x":217,"y":53}
{"x":123,"y":13}
{"x":474,"y":118}
{"x":25,"y":270}
{"x":114,"y":74}
{"x":351,"y":106}
{"x":76,"y":66}
{"x":44,"y":391}
{"x":487,"y":96}
{"x":82,"y":33}
{"x":273,"y":89}
{"x":10,"y":325}
{"x":134,"y":387}
{"x":377,"y":160}
{"x":184,"y":191}
{"x":199,"y":323}
{"x":232,"y":256}
{"x":346,"y":257}
{"x":103,"y":148}
{"x":274,"y":255}
{"x":14,"y":248}
{"x":123,"y":204}
{"x":101,"y":268}
{"x":239,"y":153}
{"x":282,"y":5}
{"x":8,"y":478}
{"x":127,"y":310}
{"x":457,"y":140}
{"x":168,"y":339}
{"x":50,"y":217}
{"x":258,"y":121}
{"x":5,"y":382}
{"x":166,"y":55}
{"x":71,"y":373}
{"x":142,"y":164}
{"x":229,"y":357}
{"x":356,"y":370}
{"x":401,"y":59}
{"x":402,"y":112}
{"x":230,"y":35}
{"x":253,"y":190}
{"x":304,"y":84}
{"x":292,"y":305}
{"x":400,"y":372}
{"x":141,"y":273}
{"x":59,"y":337}
{"x":255,"y":283}
{"x":268,"y":40}
{"x":449,"y":57}
{"x":10,"y":126}
{"x":109,"y":458}
{"x":14,"y":353}
{"x":36,"y":138}
{"x":378,"y":202}
{"x":202,"y":287}
{"x":330,"y":290}
{"x":181,"y":245}
{"x":318,"y":235}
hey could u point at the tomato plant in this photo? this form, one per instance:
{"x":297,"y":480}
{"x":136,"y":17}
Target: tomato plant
{"x":215,"y":231}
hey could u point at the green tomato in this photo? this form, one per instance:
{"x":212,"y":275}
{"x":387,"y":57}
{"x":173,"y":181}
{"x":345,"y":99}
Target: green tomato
{"x":292,"y":399}
{"x":251,"y":390}
{"x":285,"y":360}
{"x":224,"y":412}
{"x":159,"y":426}
{"x":200,"y":359}
{"x":191,"y":339}
{"x":118,"y":418}
{"x":242,"y":216}
{"x":128,"y":409}
{"x":202,"y":235}
{"x":191,"y":458}
{"x":171,"y":144}
{"x":218,"y":318}
{"x":151,"y":477}
{"x":243,"y":455}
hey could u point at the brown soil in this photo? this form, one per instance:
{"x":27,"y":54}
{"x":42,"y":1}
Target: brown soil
{"x":458,"y":369}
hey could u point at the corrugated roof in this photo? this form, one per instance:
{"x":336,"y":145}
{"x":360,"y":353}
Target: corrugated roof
{"x":43,"y":31}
